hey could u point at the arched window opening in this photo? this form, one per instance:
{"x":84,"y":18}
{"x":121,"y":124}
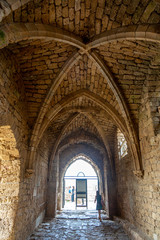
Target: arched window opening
{"x":80,"y":185}
{"x":122,"y":144}
{"x":80,"y":174}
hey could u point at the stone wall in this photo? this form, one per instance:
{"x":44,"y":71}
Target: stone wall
{"x":22,"y":200}
{"x":32,"y":196}
{"x":85,"y":18}
{"x":138,"y":199}
{"x":13,"y":142}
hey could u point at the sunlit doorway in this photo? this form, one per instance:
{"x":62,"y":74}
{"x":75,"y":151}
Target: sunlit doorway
{"x":78,"y":172}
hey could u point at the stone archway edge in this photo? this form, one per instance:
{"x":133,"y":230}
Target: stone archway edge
{"x":86,"y":157}
{"x":89,"y":160}
{"x":147,"y":32}
{"x":14,"y":32}
{"x":75,"y":95}
{"x":58,"y":140}
{"x":11,"y":5}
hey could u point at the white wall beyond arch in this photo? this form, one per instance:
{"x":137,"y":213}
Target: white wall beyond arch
{"x":80,"y":165}
{"x":94,"y":167}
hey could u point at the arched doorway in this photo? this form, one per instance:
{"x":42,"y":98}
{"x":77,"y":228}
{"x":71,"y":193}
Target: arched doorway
{"x":81,"y":179}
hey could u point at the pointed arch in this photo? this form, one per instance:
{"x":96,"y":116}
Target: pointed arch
{"x":73,"y":96}
{"x":94,"y":122}
{"x":83,"y":139}
{"x":71,"y":160}
{"x":87,"y":159}
{"x":124,"y":109}
{"x":15,"y":32}
{"x":146,"y":32}
{"x":105,"y":107}
{"x":71,"y":119}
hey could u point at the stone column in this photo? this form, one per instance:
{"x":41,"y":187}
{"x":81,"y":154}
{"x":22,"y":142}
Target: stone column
{"x":106,"y":186}
{"x":52,"y":190}
{"x":112,"y":193}
{"x":60,"y":192}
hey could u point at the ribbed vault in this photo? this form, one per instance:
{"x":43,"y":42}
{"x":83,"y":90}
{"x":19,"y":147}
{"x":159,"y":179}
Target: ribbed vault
{"x":74,"y":74}
{"x":83,"y":59}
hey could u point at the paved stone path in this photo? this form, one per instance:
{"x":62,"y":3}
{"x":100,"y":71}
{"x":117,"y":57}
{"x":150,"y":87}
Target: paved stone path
{"x":79,"y":225}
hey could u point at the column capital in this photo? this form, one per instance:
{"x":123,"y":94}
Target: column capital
{"x":29,"y":173}
{"x":139,"y":173}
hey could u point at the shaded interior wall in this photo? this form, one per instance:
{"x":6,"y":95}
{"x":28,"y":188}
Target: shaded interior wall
{"x":22,"y":200}
{"x":52,"y":188}
{"x":138,"y":199}
{"x":112,"y":193}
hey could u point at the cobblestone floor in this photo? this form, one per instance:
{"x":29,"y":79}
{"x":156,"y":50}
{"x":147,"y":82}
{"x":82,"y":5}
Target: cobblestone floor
{"x":79,"y":225}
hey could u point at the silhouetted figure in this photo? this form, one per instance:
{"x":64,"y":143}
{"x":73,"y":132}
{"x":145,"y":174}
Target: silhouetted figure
{"x":72,"y":196}
{"x":98,"y":198}
{"x":70,"y":192}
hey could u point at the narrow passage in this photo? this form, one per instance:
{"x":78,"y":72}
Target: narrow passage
{"x":79,"y":225}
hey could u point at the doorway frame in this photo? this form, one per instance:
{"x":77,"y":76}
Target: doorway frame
{"x":86,"y":193}
{"x":88,"y":160}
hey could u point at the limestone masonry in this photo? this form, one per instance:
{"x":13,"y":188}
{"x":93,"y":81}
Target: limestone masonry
{"x":75,"y":76}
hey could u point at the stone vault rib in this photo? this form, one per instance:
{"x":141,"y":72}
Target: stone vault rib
{"x":125,"y":112}
{"x":146,"y":32}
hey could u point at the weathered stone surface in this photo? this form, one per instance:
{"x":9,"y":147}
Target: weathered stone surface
{"x":128,"y":65}
{"x":61,"y":97}
{"x":78,"y":228}
{"x":44,"y":64}
{"x":123,"y":13}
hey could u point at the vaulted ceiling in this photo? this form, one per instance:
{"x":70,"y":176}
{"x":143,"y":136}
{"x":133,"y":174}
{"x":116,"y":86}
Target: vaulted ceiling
{"x":83,"y":64}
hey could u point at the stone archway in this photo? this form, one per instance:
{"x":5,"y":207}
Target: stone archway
{"x":93,"y":155}
{"x":91,"y":163}
{"x":61,"y":162}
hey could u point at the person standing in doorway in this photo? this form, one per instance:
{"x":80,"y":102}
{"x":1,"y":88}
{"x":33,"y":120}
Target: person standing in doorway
{"x":70,"y":192}
{"x":72,"y":196}
{"x":99,"y":206}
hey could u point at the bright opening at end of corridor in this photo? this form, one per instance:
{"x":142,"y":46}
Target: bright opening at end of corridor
{"x":80,"y":186}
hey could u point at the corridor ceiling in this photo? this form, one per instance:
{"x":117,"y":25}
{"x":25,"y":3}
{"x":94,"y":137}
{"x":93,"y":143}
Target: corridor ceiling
{"x":84,"y":64}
